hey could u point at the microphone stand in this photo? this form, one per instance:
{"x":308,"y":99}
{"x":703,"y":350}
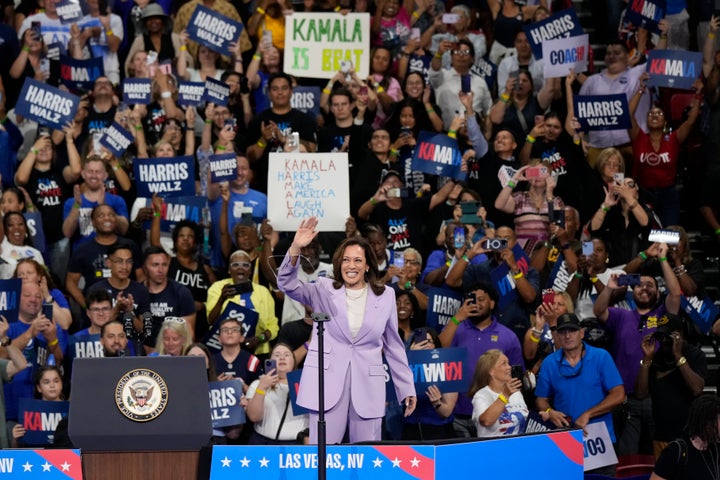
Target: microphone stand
{"x":320,"y":319}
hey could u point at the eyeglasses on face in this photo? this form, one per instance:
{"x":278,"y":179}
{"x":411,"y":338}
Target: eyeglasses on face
{"x":100,"y":309}
{"x":461,"y":52}
{"x":230,"y":330}
{"x":174,"y":320}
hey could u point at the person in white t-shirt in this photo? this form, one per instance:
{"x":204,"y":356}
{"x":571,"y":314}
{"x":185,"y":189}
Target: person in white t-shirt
{"x":498,"y":405}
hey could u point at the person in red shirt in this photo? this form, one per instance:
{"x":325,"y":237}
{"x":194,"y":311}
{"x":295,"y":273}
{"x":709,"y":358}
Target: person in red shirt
{"x":655,"y":156}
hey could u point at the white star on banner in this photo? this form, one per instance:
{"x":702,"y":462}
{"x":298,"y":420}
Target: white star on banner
{"x":415,"y":462}
{"x":396,"y":462}
{"x":46,"y":466}
{"x":66,"y":466}
{"x":226,"y":462}
{"x":27,"y":467}
{"x":264,"y":462}
{"x":377,"y":462}
{"x":245,"y":462}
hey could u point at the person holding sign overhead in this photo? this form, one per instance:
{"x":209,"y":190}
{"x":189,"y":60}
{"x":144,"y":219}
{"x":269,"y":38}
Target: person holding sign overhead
{"x":364,"y":325}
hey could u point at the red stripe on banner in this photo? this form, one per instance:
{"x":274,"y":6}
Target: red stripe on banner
{"x":66,"y":461}
{"x":410,"y":461}
{"x":568,"y":445}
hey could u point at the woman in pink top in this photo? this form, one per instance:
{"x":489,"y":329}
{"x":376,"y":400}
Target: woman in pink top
{"x":532,"y":206}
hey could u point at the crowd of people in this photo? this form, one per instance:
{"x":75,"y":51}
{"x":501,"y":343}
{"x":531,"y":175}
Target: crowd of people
{"x":545,"y":239}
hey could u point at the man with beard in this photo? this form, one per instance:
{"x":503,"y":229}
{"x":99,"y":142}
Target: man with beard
{"x":672,"y":372}
{"x":113,"y":339}
{"x":102,"y":109}
{"x":526,"y":284}
{"x":241,"y":290}
{"x":311,"y":269}
{"x":580,"y":382}
{"x":474,"y":328}
{"x":628,"y":329}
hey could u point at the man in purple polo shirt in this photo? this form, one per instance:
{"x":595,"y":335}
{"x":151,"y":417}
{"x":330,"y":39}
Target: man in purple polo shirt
{"x":628,"y":328}
{"x":475,"y":328}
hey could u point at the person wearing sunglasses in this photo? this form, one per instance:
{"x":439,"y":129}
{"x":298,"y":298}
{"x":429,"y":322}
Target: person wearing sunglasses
{"x":578,"y":384}
{"x":241,"y":290}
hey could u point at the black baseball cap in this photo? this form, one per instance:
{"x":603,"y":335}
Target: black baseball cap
{"x":568,"y":321}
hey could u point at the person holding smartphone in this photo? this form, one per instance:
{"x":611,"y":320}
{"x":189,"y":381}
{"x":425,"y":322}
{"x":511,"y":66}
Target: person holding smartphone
{"x":499,"y":408}
{"x":269,"y":402}
{"x":239,"y":288}
{"x":28,"y":62}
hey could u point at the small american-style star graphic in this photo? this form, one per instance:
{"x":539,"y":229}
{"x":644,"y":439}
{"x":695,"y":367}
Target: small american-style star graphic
{"x":226,"y":462}
{"x":377,"y":462}
{"x":245,"y":462}
{"x":27,"y":467}
{"x":66,"y":466}
{"x":46,"y":466}
{"x":415,"y":463}
{"x":264,"y":462}
{"x":396,"y":462}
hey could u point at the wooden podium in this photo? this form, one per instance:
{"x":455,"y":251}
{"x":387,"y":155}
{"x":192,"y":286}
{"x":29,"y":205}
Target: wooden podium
{"x":140,"y":465}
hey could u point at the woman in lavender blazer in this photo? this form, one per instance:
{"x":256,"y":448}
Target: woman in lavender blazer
{"x":363,"y":325}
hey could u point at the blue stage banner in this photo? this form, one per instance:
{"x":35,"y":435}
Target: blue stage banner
{"x":213,"y":30}
{"x":673,"y":68}
{"x":225,"y":409}
{"x":563,"y":24}
{"x":248,"y":318}
{"x":216,"y":92}
{"x":191,"y":94}
{"x":550,"y":456}
{"x":116,"y":139}
{"x":40,"y":418}
{"x":293,"y":379}
{"x":69,"y":11}
{"x":306,"y":99}
{"x":442,"y":305}
{"x":168,"y":177}
{"x":486,"y":70}
{"x":9,"y":296}
{"x":503,"y":280}
{"x":703,"y":312}
{"x":437,"y":154}
{"x":80,"y":74}
{"x":602,"y":112}
{"x":137,"y":91}
{"x":443,"y":367}
{"x":645,"y":13}
{"x":344,"y":462}
{"x":46,"y":464}
{"x":223,"y":167}
{"x":46,"y":105}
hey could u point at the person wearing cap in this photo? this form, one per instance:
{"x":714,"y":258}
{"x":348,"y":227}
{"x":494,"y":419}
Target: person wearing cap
{"x":233,"y":361}
{"x":628,"y":328}
{"x":156,"y":35}
{"x":402,"y":219}
{"x":672,"y":373}
{"x":241,"y":290}
{"x":578,"y":384}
